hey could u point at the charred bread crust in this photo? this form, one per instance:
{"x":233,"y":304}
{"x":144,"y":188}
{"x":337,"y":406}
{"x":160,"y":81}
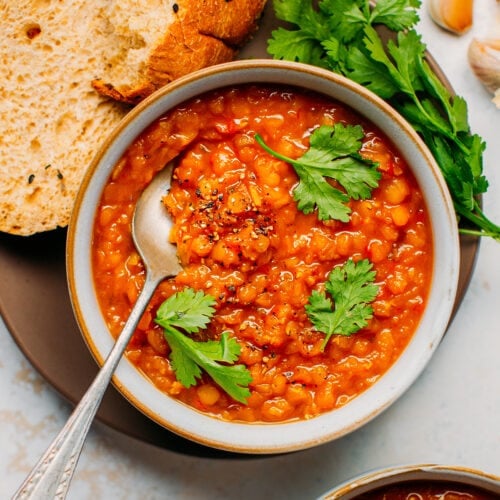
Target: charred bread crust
{"x":204,"y":33}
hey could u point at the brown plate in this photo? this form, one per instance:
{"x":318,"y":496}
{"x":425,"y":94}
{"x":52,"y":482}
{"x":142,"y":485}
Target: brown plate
{"x":36,"y":308}
{"x":35,"y":305}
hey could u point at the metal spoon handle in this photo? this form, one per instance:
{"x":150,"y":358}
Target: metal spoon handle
{"x":51,"y":476}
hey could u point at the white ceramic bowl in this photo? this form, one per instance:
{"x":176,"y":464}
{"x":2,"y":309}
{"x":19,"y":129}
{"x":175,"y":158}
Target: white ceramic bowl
{"x":268,"y":438}
{"x":426,"y":473}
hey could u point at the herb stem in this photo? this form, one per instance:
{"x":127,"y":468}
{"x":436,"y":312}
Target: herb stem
{"x":276,"y":154}
{"x":479,"y":219}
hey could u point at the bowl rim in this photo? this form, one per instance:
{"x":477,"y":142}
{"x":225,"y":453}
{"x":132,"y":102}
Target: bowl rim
{"x":263,"y":438}
{"x":377,"y":478}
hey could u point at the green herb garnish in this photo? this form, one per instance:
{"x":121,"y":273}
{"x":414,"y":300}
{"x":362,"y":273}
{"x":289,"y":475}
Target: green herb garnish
{"x":190,"y":311}
{"x":333,"y":153}
{"x":352,"y":289}
{"x":340,"y":35}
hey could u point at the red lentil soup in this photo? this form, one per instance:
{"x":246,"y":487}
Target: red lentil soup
{"x":429,"y":490}
{"x":241,"y":239}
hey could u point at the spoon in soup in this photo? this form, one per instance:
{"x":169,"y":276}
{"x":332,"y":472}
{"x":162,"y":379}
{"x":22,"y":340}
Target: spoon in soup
{"x":151,"y":225}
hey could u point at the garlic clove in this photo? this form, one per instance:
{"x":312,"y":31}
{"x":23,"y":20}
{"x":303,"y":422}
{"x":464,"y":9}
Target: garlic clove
{"x":452,"y":15}
{"x":484,"y":59}
{"x":496,"y":99}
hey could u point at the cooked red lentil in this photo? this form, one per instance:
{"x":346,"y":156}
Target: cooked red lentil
{"x":241,"y":239}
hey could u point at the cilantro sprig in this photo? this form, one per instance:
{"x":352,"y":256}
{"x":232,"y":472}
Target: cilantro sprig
{"x":333,"y":153}
{"x":190,"y":311}
{"x":352,"y":289}
{"x":340,"y":35}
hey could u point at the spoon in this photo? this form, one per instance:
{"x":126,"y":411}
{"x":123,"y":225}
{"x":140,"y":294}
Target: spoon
{"x":51,"y":476}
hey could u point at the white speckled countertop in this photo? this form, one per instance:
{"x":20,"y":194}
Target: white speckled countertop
{"x":451,"y":415}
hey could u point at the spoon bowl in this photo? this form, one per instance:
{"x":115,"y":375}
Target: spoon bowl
{"x":151,"y":225}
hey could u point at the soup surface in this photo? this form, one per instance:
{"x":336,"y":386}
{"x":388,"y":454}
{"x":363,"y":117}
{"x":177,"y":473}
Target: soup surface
{"x":425,"y":490}
{"x":242,"y":239}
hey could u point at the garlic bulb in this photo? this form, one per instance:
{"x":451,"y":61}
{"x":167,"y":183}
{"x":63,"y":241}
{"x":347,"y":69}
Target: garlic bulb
{"x":452,"y":15}
{"x":484,"y":59}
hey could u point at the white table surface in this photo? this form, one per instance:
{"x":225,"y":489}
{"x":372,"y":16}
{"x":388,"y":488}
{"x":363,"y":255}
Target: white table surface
{"x":451,"y":415}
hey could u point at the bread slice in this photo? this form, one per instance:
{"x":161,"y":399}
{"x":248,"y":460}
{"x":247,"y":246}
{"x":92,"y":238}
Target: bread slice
{"x":52,"y":120}
{"x":146,"y":56}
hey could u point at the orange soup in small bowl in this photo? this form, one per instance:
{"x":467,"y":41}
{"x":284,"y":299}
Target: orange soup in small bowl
{"x":314,"y":220}
{"x":419,"y":482}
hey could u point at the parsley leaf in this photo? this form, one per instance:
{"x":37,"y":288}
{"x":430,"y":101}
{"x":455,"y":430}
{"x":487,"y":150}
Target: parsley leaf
{"x":300,"y":45}
{"x":355,"y":17}
{"x":191,"y":311}
{"x":395,"y":14}
{"x":341,"y":36}
{"x":352,"y":289}
{"x":333,"y":153}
